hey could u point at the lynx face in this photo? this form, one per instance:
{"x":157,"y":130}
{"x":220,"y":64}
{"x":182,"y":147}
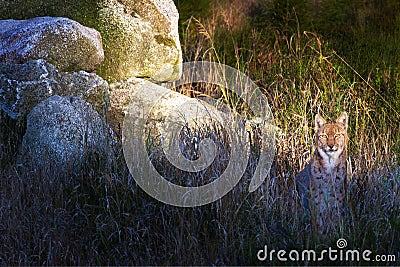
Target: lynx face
{"x":331,"y":138}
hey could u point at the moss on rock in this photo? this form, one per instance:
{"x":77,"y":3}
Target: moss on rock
{"x":140,"y":38}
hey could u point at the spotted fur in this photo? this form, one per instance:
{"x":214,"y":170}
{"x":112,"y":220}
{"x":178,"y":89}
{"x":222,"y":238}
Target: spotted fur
{"x":322,"y":183}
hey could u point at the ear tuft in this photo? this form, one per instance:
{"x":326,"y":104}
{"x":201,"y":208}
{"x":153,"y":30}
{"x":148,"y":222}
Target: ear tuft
{"x":319,"y":122}
{"x":343,"y":119}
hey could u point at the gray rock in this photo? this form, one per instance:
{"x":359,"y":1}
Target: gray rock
{"x":121,"y":95}
{"x":65,"y":43}
{"x":140,"y":37}
{"x":62,"y":131}
{"x":87,"y":86}
{"x":22,"y":86}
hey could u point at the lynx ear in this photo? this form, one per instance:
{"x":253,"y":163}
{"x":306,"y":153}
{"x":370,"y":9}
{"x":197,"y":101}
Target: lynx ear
{"x":319,"y":122}
{"x":343,"y":119}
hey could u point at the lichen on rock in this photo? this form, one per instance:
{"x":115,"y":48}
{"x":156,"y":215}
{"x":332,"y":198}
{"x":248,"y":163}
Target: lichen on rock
{"x":22,"y":86}
{"x":65,"y":43}
{"x":62,"y":130}
{"x":140,"y":38}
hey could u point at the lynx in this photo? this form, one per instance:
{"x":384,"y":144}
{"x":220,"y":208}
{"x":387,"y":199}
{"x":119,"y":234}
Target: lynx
{"x":322,"y":183}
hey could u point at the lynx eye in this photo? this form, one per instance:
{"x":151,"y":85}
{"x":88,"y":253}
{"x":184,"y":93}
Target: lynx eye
{"x":323,"y":136}
{"x":338,"y":135}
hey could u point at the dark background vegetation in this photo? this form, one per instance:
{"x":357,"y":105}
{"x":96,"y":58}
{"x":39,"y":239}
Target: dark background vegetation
{"x":308,"y":57}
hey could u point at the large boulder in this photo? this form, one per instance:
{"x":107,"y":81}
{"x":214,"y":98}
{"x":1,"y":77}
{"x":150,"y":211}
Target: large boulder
{"x":121,"y":95}
{"x":140,"y":37}
{"x":88,"y":86}
{"x":22,"y":86}
{"x":65,"y":43}
{"x":159,"y":104}
{"x":63,"y":130}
